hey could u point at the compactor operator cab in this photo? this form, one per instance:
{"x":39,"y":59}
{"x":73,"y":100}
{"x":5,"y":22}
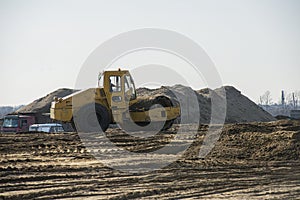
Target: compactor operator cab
{"x":118,"y":86}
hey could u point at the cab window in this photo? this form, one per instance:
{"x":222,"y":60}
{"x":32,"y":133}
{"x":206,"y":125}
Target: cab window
{"x":129,"y":86}
{"x":115,"y":83}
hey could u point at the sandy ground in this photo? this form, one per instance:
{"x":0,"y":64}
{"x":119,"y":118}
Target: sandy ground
{"x":250,"y":161}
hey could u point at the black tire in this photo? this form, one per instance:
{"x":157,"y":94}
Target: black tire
{"x":102,"y":116}
{"x":168,"y":124}
{"x":89,"y":117}
{"x":73,"y":125}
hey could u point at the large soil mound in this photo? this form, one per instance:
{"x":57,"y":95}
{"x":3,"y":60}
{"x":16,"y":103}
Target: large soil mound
{"x":43,"y":104}
{"x":239,"y":108}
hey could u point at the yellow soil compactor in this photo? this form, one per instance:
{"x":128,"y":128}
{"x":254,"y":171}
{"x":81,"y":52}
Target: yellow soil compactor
{"x":115,"y":101}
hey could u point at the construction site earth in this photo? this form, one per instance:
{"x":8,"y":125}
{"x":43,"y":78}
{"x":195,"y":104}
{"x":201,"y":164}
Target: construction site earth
{"x":256,"y":157}
{"x":249,"y":161}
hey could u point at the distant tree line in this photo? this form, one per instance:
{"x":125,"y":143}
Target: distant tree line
{"x":287,"y":102}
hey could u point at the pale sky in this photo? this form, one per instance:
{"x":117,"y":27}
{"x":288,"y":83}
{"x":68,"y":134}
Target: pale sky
{"x":254,"y":44}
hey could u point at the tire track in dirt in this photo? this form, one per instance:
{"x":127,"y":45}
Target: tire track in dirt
{"x":58,"y":166}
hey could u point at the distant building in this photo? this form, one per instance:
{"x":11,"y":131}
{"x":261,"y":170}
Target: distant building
{"x":295,"y":114}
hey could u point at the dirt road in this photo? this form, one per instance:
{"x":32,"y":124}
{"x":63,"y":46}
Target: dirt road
{"x":250,"y":161}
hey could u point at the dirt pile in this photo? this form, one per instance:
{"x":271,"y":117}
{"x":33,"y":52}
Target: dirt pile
{"x":43,"y":104}
{"x":239,"y":107}
{"x":260,"y":141}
